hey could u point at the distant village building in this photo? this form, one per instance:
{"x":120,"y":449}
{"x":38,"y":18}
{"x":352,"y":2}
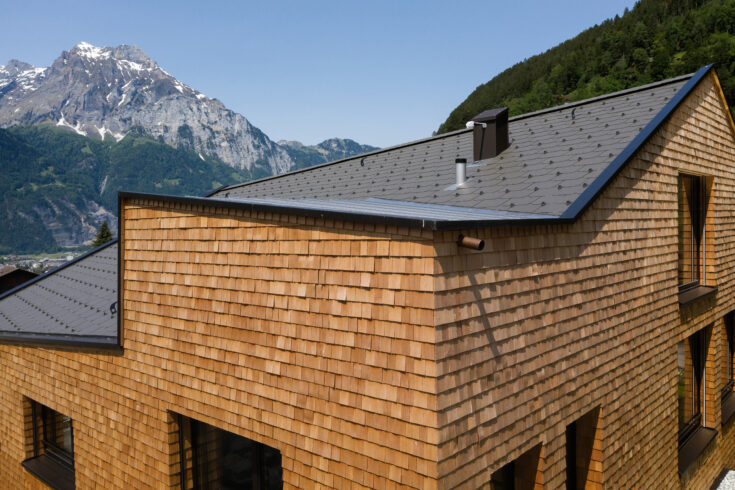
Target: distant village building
{"x":10,"y":277}
{"x":541,"y":301}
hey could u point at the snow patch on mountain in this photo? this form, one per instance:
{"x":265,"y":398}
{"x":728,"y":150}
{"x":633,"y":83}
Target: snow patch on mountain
{"x":92,"y":52}
{"x":105,"y":90}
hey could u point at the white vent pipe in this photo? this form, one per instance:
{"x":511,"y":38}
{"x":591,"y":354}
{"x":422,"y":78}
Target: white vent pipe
{"x":461,"y":170}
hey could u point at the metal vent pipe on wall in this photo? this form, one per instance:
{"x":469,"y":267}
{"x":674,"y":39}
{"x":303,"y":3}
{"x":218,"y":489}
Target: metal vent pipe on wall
{"x":470,"y":242}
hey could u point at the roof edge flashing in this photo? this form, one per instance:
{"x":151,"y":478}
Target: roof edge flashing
{"x":32,"y":339}
{"x":575,"y":210}
{"x":334,"y":162}
{"x":389,"y":219}
{"x":57,"y":269}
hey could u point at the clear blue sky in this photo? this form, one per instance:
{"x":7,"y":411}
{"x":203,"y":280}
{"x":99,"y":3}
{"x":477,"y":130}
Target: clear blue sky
{"x":379,"y":72}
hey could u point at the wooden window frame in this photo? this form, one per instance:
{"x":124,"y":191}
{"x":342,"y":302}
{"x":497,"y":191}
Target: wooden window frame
{"x":583,"y":447}
{"x":727,"y":394}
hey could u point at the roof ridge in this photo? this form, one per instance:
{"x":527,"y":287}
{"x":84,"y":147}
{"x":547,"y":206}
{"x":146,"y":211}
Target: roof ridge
{"x":519,"y":117}
{"x":611,"y":95}
{"x":335,"y":162}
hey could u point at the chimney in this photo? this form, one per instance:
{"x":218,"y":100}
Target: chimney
{"x":490,"y":133}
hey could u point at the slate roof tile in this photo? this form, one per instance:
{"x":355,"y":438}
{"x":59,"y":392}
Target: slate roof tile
{"x":554,"y":155}
{"x":70,"y":302}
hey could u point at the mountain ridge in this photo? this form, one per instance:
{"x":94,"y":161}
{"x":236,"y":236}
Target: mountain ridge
{"x":327,"y":151}
{"x":103,"y":119}
{"x":97,"y":91}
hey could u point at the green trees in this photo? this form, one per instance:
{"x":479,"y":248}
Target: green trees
{"x":657,"y":39}
{"x":104,"y":235}
{"x":51,"y":174}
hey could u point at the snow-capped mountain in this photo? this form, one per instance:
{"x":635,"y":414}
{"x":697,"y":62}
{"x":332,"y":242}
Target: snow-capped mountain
{"x":103,"y":91}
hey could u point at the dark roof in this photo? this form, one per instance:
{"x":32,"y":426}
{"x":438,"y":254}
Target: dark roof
{"x":70,"y":305}
{"x":559,"y":159}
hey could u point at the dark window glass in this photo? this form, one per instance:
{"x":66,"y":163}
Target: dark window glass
{"x":212,"y":458}
{"x":571,"y":459}
{"x":583,"y":462}
{"x":691,"y":356}
{"x":504,"y":478}
{"x":691,"y":229}
{"x":57,"y":434}
{"x":729,"y":347}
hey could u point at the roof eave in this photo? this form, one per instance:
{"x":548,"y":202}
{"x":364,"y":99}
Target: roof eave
{"x":428,"y":224}
{"x":75,"y":342}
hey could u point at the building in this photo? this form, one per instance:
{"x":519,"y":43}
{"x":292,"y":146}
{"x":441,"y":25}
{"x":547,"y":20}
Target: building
{"x":556,"y":312}
{"x":11,"y":277}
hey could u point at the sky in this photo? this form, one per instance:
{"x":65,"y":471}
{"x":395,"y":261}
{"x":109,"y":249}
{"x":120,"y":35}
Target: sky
{"x":379,"y":72}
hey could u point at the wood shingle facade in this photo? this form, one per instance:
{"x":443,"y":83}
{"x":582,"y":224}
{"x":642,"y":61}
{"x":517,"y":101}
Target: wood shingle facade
{"x":376,"y":353}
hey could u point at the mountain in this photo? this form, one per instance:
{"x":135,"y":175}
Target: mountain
{"x":110,"y":91}
{"x":657,"y":39}
{"x":102,"y":119}
{"x":59,"y":186}
{"x":326,"y":151}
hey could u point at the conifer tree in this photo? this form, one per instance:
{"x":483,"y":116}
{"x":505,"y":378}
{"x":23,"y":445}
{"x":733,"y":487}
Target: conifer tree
{"x":104,"y":235}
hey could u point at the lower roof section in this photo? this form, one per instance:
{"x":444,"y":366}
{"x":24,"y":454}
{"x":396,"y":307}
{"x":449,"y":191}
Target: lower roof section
{"x":72,"y":305}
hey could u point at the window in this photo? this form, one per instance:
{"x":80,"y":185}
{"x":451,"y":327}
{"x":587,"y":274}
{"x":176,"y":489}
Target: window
{"x":523,"y":473}
{"x":52,"y":446}
{"x":691,"y":230}
{"x":695,"y":414}
{"x":211,"y":458}
{"x":728,"y":368}
{"x":727,"y":352}
{"x":584,"y":450}
{"x":691,"y":355}
{"x":695,"y":273}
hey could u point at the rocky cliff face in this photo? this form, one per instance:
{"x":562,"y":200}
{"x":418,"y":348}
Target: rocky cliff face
{"x":158,"y":135}
{"x":107,"y":92}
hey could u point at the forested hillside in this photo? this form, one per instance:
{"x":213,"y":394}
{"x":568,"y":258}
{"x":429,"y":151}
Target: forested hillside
{"x":657,"y":39}
{"x":57,"y":186}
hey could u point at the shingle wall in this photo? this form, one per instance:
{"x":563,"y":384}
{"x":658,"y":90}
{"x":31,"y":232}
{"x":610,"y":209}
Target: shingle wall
{"x":549,"y":322}
{"x":314,"y":338}
{"x":326,"y":341}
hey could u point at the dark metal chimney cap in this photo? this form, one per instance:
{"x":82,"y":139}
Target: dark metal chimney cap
{"x":491,"y":114}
